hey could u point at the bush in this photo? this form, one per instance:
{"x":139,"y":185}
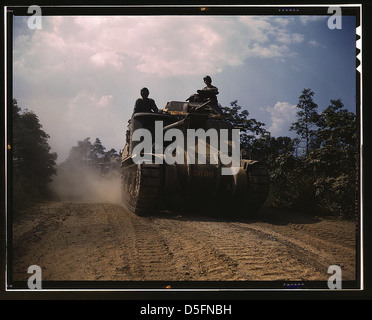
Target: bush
{"x":336,"y":196}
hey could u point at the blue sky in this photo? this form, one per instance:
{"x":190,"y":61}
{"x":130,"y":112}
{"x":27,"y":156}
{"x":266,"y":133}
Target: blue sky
{"x":82,"y":75}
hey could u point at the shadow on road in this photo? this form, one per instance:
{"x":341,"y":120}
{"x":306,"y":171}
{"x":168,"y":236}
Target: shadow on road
{"x":268,"y":215}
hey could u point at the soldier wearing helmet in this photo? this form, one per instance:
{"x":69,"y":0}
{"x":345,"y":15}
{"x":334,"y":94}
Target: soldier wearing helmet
{"x":145,"y":104}
{"x":209,"y":92}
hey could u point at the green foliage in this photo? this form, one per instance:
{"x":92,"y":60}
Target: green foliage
{"x":268,"y":149}
{"x":321,"y":179}
{"x":284,"y":171}
{"x":336,"y":195}
{"x":307,"y":119}
{"x":314,"y":172}
{"x":336,"y":159}
{"x":337,"y":137}
{"x":33,"y":163}
{"x":250,"y":129}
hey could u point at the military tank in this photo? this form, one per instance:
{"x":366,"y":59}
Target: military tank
{"x":154,"y":185}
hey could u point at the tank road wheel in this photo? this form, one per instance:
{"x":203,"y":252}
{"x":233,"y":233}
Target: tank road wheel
{"x":141,"y":187}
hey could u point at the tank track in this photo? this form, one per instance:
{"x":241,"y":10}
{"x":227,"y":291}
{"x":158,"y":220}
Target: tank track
{"x":142,"y":187}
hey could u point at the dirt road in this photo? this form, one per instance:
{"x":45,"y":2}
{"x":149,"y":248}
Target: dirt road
{"x":102,"y":241}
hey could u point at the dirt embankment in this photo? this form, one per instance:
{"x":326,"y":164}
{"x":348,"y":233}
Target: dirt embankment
{"x":105,"y":241}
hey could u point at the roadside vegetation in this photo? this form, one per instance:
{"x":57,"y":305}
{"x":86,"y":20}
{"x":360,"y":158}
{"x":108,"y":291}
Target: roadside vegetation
{"x":318,"y":170}
{"x":32,"y":164}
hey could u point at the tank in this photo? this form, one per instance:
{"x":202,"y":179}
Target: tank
{"x":154,"y":184}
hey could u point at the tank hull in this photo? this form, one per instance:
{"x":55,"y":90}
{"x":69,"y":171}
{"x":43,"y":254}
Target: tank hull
{"x":156,"y":184}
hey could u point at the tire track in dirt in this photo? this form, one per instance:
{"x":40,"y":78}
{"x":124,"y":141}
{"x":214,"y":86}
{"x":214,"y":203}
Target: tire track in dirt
{"x":150,"y":258}
{"x":31,"y":231}
{"x":97,"y":241}
{"x":194,"y":258}
{"x":274,"y":251}
{"x":237,"y":254}
{"x":320,"y":253}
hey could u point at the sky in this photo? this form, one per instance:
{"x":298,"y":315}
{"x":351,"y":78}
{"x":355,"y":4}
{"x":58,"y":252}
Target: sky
{"x":81,"y":75}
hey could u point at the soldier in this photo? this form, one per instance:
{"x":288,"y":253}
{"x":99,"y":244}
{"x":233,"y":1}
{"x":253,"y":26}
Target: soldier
{"x":145,"y":104}
{"x":209,"y":91}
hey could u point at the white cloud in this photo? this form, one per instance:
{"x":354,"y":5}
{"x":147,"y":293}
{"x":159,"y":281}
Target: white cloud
{"x":87,"y":103}
{"x":314,"y":43}
{"x":107,"y":58}
{"x":282,"y":115}
{"x":308,"y":19}
{"x":104,"y":101}
{"x":160,"y":45}
{"x":288,"y":38}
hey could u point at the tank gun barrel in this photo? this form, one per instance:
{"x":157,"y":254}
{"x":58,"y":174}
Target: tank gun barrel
{"x":186,"y":119}
{"x":203,"y":105}
{"x":182,"y":122}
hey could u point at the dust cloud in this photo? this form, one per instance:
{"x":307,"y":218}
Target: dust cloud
{"x":85,"y":184}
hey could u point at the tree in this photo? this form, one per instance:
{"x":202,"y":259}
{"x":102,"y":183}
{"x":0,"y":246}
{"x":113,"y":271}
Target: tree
{"x":86,"y":154}
{"x":32,"y":160}
{"x":110,"y":153}
{"x":308,"y":117}
{"x":267,"y":148}
{"x":81,"y":154}
{"x":322,"y":179}
{"x":285,"y":174}
{"x":334,"y":161}
{"x":97,"y":151}
{"x":337,"y":139}
{"x":250,"y":128}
